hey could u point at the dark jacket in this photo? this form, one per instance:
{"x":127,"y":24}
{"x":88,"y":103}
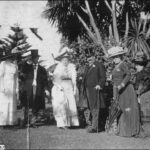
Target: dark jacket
{"x":142,"y":83}
{"x":94,"y":75}
{"x":42,"y":83}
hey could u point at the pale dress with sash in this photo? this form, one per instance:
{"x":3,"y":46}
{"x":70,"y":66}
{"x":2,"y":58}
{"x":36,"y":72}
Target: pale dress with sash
{"x":63,"y":99}
{"x":8,"y":96}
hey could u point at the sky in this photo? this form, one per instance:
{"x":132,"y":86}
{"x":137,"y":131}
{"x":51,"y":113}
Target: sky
{"x":29,"y":14}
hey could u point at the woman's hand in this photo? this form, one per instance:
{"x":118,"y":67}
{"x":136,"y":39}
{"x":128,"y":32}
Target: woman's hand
{"x":51,"y":74}
{"x":47,"y":93}
{"x":3,"y":90}
{"x":17,"y":90}
{"x":138,"y":92}
{"x":120,"y":86}
{"x":74,"y":90}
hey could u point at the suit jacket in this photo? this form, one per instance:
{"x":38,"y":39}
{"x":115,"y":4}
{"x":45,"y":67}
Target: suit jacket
{"x":94,"y":75}
{"x":42,"y":83}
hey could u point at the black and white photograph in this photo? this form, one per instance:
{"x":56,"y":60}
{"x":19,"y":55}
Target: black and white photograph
{"x":74,"y":74}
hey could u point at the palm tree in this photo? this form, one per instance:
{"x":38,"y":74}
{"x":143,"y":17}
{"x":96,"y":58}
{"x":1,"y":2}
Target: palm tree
{"x":136,"y":41}
{"x":74,"y":17}
{"x":99,"y":18}
{"x":15,"y":42}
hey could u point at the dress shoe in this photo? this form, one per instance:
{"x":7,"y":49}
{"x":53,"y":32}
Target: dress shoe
{"x":91,"y":130}
{"x":140,"y":135}
{"x":63,"y":128}
{"x":31,"y":126}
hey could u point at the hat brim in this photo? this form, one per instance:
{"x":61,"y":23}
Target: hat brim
{"x":60,"y":58}
{"x":35,"y":56}
{"x":64,"y":55}
{"x":12,"y":55}
{"x":141,"y":63}
{"x":117,"y":54}
{"x":90,"y":58}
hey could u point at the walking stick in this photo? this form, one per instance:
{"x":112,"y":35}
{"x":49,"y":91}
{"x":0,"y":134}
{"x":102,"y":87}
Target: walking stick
{"x":98,"y":111}
{"x":28,"y":126}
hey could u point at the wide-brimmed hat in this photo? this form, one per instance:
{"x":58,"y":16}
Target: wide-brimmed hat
{"x":13,"y":54}
{"x":92,"y":57}
{"x":6,"y":57}
{"x":65,"y":49}
{"x":115,"y":51}
{"x":140,"y":61}
{"x":63,"y":55}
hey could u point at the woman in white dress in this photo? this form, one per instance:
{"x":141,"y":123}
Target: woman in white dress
{"x":63,"y":93}
{"x":8,"y":95}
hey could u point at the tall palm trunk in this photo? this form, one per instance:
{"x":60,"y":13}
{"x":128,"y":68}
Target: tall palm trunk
{"x":96,"y":36}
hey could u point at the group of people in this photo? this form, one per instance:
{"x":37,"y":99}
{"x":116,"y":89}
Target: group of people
{"x":65,"y":93}
{"x":31,"y":78}
{"x":125,"y":93}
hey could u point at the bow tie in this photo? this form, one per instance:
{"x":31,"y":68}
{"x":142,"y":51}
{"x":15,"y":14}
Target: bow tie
{"x":35,"y":65}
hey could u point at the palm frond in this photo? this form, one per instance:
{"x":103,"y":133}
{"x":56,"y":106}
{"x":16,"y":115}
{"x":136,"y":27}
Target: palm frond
{"x":136,"y":40}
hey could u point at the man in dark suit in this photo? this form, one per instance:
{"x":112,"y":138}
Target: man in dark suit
{"x":94,"y":82}
{"x":35,"y":82}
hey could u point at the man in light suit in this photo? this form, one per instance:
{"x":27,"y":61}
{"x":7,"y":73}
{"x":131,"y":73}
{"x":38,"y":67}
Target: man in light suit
{"x":94,"y":82}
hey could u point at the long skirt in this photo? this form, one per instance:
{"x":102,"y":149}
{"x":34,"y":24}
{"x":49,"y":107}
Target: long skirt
{"x":64,"y":105}
{"x":8,"y":108}
{"x":129,"y":121}
{"x":145,"y":107}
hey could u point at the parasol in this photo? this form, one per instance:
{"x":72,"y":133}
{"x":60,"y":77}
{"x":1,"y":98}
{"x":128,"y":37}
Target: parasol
{"x":114,"y":112}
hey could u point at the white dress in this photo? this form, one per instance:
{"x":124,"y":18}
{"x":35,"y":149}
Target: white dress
{"x":63,"y":99}
{"x":8,"y":99}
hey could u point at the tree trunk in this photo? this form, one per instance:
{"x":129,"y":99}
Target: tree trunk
{"x":95,"y":37}
{"x":127,"y":26}
{"x":116,"y":35}
{"x":87,"y":29}
{"x":148,"y":32}
{"x":113,"y":12}
{"x":92,"y":21}
{"x":110,"y":33}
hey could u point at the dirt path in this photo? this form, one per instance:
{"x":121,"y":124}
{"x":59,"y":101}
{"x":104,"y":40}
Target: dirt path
{"x":49,"y":137}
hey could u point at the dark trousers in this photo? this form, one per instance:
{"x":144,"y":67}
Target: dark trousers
{"x":93,"y":105}
{"x":95,"y":118}
{"x":97,"y":115}
{"x":30,"y":116}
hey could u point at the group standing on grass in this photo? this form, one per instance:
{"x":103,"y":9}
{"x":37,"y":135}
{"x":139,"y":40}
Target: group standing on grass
{"x":65,"y":91}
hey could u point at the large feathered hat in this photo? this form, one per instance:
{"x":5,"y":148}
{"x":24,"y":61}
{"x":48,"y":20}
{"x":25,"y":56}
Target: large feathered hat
{"x":65,"y":53}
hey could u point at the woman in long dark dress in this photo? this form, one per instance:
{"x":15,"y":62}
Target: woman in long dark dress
{"x":142,"y":87}
{"x":129,"y":120}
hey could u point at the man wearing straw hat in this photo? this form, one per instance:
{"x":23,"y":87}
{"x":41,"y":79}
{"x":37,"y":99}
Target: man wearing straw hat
{"x":34,"y":84}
